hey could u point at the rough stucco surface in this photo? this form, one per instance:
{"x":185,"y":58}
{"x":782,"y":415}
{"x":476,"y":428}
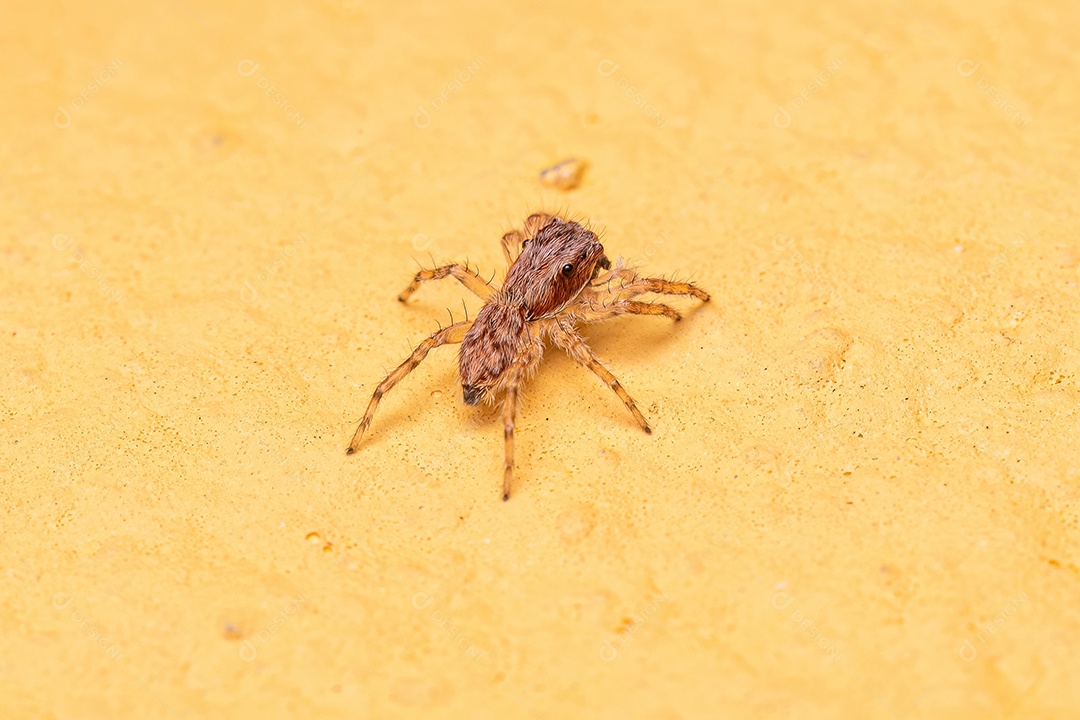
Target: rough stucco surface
{"x":861,"y":495}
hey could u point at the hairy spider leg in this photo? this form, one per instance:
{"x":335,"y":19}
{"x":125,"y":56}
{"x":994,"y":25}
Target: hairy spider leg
{"x":511,"y":381}
{"x":514,"y":241}
{"x":509,"y":413}
{"x":660,"y":286}
{"x":593,"y":310}
{"x":634,"y":307}
{"x":447,"y":336}
{"x":467,"y":276}
{"x":511,"y":245}
{"x":567,"y":338}
{"x":537,"y":222}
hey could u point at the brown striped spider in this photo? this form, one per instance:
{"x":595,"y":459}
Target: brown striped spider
{"x":558,"y":277}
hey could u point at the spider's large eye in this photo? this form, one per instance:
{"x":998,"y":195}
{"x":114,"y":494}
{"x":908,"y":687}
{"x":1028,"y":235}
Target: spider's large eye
{"x":567,"y":270}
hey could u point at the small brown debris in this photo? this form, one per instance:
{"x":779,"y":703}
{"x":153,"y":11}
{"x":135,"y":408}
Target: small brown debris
{"x":563,"y":175}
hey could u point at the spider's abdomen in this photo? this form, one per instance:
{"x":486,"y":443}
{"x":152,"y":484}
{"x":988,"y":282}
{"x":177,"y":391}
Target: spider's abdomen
{"x":489,"y":348}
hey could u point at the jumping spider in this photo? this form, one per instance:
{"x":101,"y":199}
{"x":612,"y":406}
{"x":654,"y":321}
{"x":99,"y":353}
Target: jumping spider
{"x":558,"y":277}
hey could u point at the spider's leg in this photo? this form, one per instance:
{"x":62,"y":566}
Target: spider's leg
{"x":509,"y":413}
{"x":642,"y":285}
{"x":537,"y":222}
{"x":468,"y":277}
{"x":614,"y":295}
{"x":565,"y":337}
{"x":513,"y":242}
{"x":593,"y":312}
{"x":512,"y":380}
{"x":452,"y":334}
{"x":511,"y":245}
{"x":634,"y":307}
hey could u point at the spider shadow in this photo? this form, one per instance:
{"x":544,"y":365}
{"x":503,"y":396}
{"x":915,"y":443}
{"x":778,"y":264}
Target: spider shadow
{"x":630,"y":336}
{"x":626,"y":342}
{"x":624,"y":345}
{"x":412,"y":405}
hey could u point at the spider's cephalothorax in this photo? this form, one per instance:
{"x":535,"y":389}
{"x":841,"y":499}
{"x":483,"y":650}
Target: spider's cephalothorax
{"x":558,"y":277}
{"x":551,"y":271}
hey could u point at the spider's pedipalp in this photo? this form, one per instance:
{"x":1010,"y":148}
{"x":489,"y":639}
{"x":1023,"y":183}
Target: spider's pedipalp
{"x":448,"y":335}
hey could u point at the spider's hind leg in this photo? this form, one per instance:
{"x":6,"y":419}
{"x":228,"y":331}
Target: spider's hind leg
{"x":509,"y":415}
{"x":449,"y":335}
{"x":466,"y":275}
{"x":512,"y":380}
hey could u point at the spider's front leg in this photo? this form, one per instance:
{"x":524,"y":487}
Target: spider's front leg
{"x":512,"y":244}
{"x":660,"y":286}
{"x":448,"y":335}
{"x":613,"y":293}
{"x":514,"y":241}
{"x":595,"y":309}
{"x":464,"y":274}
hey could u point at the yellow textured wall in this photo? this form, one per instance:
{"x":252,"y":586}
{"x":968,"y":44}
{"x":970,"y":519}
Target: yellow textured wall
{"x":861,"y":496}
